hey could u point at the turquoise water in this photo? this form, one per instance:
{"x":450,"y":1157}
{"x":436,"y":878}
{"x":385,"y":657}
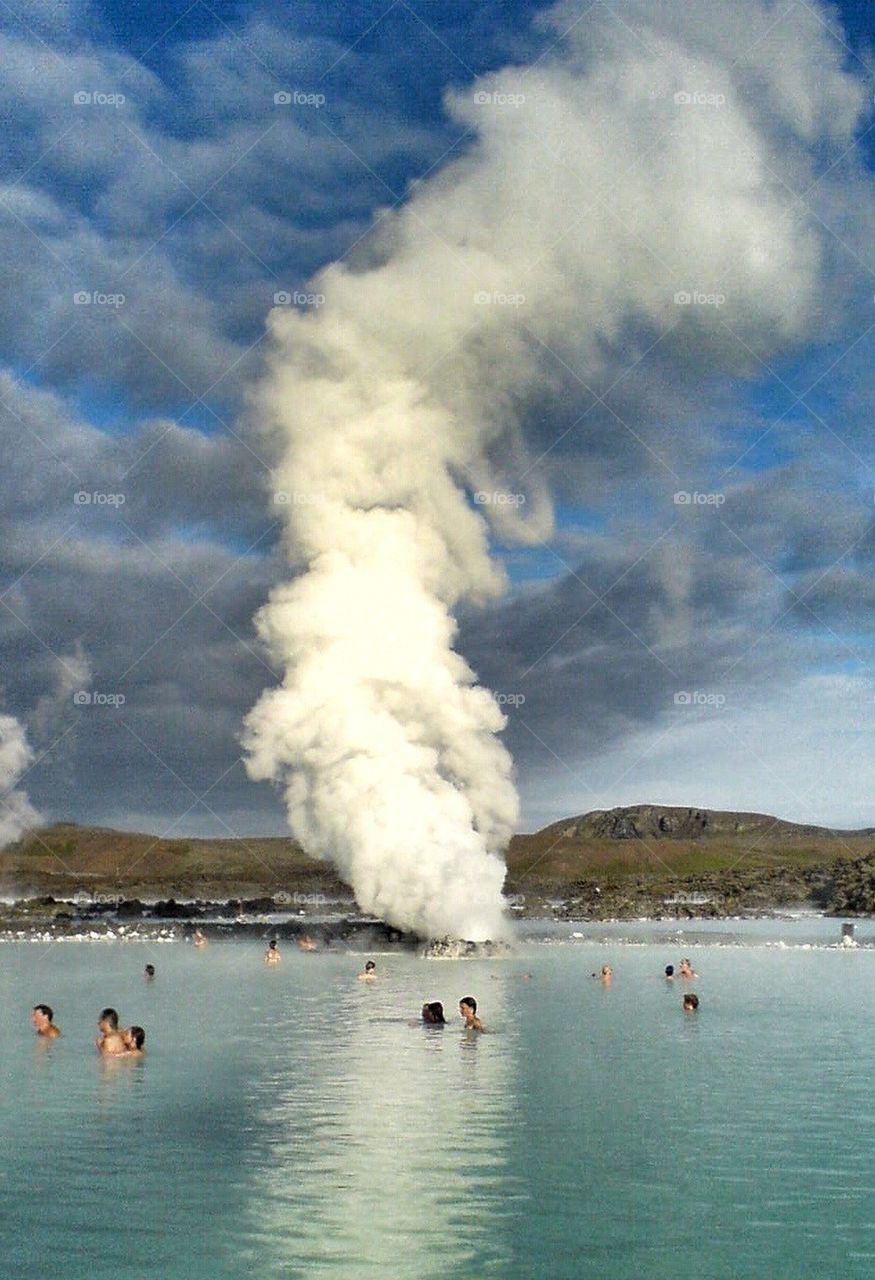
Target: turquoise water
{"x":292,"y":1122}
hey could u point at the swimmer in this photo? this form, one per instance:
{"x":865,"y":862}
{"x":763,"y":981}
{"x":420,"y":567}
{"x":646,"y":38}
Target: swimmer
{"x":109,"y":1042}
{"x":687,"y":970}
{"x":433,"y":1013}
{"x":200,"y":938}
{"x":691,"y":1002}
{"x":134,"y":1039}
{"x":468,"y":1010}
{"x":606,"y":976}
{"x":272,"y":955}
{"x":150,"y":972}
{"x":42,"y":1019}
{"x":307,"y":944}
{"x":368,"y":974}
{"x":669,"y":972}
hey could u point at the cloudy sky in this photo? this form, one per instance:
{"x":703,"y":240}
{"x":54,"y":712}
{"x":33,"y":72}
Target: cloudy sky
{"x":679,"y":196}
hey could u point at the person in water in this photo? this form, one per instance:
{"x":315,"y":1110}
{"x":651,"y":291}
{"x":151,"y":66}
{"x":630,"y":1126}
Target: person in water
{"x":307,"y":944}
{"x":150,"y":972}
{"x":200,"y":939}
{"x":369,"y":973}
{"x":669,"y":971}
{"x":43,"y":1019}
{"x":272,"y":955}
{"x":433,"y":1013}
{"x":134,"y":1039}
{"x":606,"y":976}
{"x":468,"y":1010}
{"x":687,"y":970}
{"x":110,"y":1041}
{"x":691,"y":1002}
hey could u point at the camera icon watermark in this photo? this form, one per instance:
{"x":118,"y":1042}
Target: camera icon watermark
{"x":486,"y":99}
{"x":95,"y":498}
{"x":499,"y":498}
{"x":685,"y":298}
{"x":87,"y":698}
{"x":295,"y":98}
{"x":89,"y":298}
{"x":684,"y":498}
{"x":297,"y":298}
{"x":696,"y":98}
{"x":697,"y":698}
{"x":495,"y":298}
{"x":97,"y":98}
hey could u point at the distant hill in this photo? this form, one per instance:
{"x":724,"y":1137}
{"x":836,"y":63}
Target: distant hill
{"x":623,"y":861}
{"x":666,"y":822}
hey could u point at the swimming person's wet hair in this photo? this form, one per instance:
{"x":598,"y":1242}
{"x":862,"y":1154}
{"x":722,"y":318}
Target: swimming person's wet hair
{"x":139,"y":1036}
{"x":110,"y":1016}
{"x":46,"y":1009}
{"x":669,"y":970}
{"x":272,"y":944}
{"x":469,"y":1000}
{"x":435,"y":1012}
{"x":691,"y":1000}
{"x":370,"y":965}
{"x":150,"y":969}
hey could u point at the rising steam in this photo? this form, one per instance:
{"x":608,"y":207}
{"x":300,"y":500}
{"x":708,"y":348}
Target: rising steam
{"x":590,"y":197}
{"x":16,"y":811}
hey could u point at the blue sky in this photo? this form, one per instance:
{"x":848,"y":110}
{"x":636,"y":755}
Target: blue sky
{"x":198,"y":198}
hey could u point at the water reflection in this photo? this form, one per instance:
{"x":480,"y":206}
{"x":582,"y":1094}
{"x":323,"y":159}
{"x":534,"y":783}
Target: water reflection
{"x":388,"y":1146}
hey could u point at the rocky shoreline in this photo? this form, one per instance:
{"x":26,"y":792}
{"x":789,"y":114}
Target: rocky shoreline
{"x":839,"y":888}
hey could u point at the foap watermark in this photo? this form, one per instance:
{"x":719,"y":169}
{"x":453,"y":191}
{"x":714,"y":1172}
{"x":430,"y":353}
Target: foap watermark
{"x":297,"y":298}
{"x":84,"y":898}
{"x":516,"y":901}
{"x":97,"y":98}
{"x":510,"y":699}
{"x":698,"y":98}
{"x":94,"y":298}
{"x":698,"y":698}
{"x":89,"y":698}
{"x":487,"y":99}
{"x":297,"y":98}
{"x":685,"y":298}
{"x":283,"y":898}
{"x":297,"y":498}
{"x":499,"y":498}
{"x":96,"y":498}
{"x":684,"y":498}
{"x":495,"y":298}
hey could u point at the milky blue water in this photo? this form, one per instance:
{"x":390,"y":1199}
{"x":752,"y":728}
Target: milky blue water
{"x":293,"y":1122}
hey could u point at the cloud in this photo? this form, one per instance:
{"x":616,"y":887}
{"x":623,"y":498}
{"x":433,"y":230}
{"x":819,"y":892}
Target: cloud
{"x":16,"y":811}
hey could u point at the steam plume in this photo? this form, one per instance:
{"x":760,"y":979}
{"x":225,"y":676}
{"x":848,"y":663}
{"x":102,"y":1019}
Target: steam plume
{"x":591,"y":197}
{"x":16,"y":811}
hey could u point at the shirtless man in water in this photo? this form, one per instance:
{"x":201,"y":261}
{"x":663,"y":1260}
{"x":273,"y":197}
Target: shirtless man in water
{"x":110,"y":1041}
{"x":368,"y":974}
{"x":687,"y":970}
{"x":468,"y":1010}
{"x":42,"y":1019}
{"x":272,"y":955}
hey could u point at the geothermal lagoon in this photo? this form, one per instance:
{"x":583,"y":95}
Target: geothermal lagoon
{"x":293,"y":1122}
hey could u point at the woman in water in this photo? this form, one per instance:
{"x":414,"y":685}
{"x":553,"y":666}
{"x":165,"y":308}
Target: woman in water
{"x":433,"y":1014}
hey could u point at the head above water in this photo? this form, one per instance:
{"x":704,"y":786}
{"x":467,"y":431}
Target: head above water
{"x":272,"y":944}
{"x":370,"y":966}
{"x":433,"y":1012}
{"x":110,"y":1017}
{"x":135,"y":1037}
{"x":150,"y":971}
{"x":691,"y":1002}
{"x":669,"y":970}
{"x":43,"y":1011}
{"x":468,"y":1002}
